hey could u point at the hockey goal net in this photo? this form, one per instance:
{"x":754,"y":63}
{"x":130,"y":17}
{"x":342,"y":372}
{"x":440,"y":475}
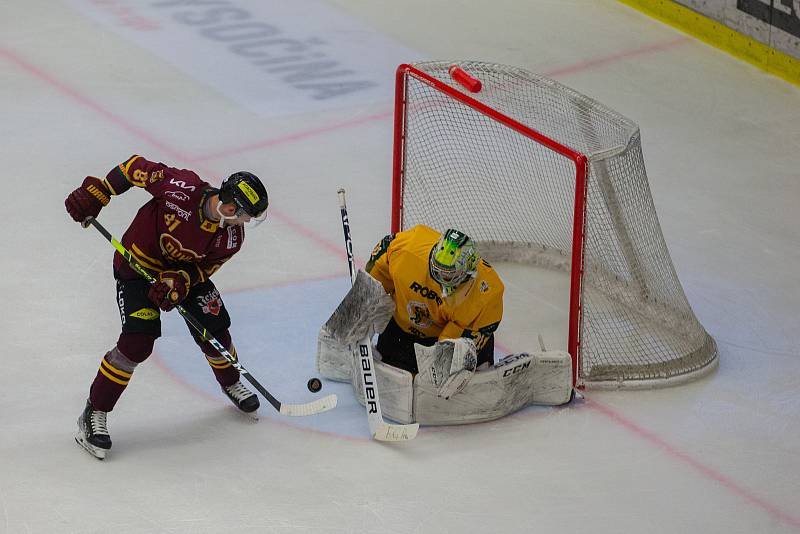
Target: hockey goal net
{"x":538,"y":173}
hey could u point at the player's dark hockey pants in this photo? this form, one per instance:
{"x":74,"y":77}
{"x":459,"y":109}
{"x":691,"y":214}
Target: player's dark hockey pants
{"x":141,"y":326}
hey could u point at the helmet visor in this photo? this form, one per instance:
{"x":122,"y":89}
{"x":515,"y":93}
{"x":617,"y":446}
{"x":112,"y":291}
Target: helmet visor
{"x":249,"y":220}
{"x":258,"y":219}
{"x":447,"y":276}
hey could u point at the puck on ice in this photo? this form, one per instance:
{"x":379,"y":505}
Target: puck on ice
{"x":314,"y":385}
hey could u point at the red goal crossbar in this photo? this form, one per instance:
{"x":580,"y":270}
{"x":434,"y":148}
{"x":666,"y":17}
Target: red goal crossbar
{"x":581,"y":170}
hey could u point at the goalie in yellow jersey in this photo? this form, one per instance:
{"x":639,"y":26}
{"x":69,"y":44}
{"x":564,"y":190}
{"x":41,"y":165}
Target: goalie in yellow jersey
{"x":435,"y":305}
{"x":442,"y":290}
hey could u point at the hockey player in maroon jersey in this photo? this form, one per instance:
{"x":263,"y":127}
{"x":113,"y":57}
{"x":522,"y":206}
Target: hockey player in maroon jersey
{"x":183,"y":235}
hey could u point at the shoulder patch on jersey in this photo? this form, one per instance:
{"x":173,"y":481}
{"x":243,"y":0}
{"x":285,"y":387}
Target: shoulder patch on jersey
{"x":136,"y":177}
{"x":209,"y":226}
{"x":379,"y":250}
{"x":484,"y":286}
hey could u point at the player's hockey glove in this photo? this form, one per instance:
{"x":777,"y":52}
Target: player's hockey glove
{"x":170,"y":290}
{"x":88,"y":199}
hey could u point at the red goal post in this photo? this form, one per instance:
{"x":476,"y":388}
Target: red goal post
{"x":403,"y":71}
{"x":538,"y":173}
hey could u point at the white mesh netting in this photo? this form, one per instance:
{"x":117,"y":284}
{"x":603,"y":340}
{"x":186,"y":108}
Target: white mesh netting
{"x":465,"y":169}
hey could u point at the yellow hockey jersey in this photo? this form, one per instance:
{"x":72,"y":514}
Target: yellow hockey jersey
{"x":400,"y":263}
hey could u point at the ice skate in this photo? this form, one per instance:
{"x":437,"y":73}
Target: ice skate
{"x":242,"y":398}
{"x":92,"y":433}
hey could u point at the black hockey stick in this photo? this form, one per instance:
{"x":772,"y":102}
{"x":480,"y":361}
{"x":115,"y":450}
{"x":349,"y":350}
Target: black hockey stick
{"x":380,"y":429}
{"x":310,"y":408}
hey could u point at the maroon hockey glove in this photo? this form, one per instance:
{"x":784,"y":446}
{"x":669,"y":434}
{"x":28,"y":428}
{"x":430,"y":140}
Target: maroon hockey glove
{"x":88,"y":199}
{"x":171,"y":288}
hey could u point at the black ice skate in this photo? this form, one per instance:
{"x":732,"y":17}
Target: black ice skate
{"x":92,"y":433}
{"x":243,"y":398}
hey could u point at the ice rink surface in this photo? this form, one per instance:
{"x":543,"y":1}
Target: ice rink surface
{"x":86,"y":83}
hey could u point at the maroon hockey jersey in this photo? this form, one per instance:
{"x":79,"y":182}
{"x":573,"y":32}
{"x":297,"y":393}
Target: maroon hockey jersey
{"x":171,"y":231}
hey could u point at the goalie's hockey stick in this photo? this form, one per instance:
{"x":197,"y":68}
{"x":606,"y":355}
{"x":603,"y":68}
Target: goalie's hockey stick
{"x":380,"y":429}
{"x":309,"y":408}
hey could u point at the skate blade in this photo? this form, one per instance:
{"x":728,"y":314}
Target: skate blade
{"x":97,"y":452}
{"x":250,"y":416}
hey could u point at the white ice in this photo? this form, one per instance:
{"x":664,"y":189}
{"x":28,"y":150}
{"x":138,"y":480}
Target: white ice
{"x":84,"y":86}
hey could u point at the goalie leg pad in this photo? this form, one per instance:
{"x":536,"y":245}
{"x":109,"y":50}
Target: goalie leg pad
{"x":395,"y":386}
{"x":545,"y":376}
{"x":514,"y":382}
{"x":334,"y":360}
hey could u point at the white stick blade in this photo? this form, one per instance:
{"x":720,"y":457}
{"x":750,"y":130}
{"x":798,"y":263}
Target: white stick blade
{"x":310,"y":408}
{"x":387,"y":432}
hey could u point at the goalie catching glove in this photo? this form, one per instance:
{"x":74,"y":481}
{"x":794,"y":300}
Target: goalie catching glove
{"x":449,"y":364}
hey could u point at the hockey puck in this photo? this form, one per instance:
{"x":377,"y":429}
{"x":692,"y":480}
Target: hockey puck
{"x":314,"y":385}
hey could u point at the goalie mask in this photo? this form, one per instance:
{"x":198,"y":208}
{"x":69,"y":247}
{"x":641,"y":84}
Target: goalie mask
{"x":247,"y":193}
{"x":453,"y":261}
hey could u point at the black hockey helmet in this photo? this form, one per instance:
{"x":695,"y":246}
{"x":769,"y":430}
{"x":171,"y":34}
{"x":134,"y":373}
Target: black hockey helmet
{"x":246,"y":191}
